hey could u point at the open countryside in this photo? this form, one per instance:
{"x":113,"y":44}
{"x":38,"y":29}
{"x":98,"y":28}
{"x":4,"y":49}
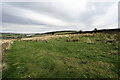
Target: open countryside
{"x":85,"y":55}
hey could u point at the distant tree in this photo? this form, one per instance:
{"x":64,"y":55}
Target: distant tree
{"x":95,"y":29}
{"x":52,"y":33}
{"x":80,"y":30}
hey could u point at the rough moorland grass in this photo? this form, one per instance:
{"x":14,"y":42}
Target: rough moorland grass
{"x":74,"y":57}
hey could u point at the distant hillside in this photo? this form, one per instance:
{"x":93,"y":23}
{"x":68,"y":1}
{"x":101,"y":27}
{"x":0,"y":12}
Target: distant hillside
{"x":21,"y":35}
{"x":101,"y":30}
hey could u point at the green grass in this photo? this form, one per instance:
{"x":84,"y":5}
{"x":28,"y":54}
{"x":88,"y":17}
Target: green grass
{"x":73,"y":57}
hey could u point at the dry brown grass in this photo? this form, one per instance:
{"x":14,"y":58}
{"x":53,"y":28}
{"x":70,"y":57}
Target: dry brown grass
{"x":5,"y":45}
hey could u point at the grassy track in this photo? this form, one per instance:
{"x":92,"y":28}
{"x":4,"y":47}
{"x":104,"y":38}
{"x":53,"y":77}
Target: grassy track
{"x":93,"y":56}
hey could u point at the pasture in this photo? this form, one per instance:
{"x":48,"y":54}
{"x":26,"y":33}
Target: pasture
{"x":92,"y":55}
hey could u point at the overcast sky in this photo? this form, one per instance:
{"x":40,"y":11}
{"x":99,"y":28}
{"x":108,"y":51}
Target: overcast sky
{"x":39,"y":17}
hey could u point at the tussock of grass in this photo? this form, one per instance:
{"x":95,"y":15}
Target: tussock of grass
{"x":89,"y":41}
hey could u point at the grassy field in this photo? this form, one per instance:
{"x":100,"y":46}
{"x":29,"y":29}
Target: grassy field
{"x":11,"y":36}
{"x":78,"y":56}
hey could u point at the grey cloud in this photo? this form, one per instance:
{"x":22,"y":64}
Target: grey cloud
{"x":87,"y":17}
{"x":19,"y":20}
{"x":93,"y":9}
{"x":49,"y":9}
{"x":119,"y":14}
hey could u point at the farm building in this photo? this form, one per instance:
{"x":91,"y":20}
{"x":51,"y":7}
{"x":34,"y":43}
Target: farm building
{"x":28,"y":35}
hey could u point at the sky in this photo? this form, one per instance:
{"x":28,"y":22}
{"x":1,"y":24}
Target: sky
{"x":41,"y":17}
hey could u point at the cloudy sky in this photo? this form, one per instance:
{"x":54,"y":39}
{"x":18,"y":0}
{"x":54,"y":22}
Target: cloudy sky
{"x":39,"y":17}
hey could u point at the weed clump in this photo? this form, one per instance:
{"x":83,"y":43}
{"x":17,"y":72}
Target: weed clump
{"x":89,"y":41}
{"x":72,"y":39}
